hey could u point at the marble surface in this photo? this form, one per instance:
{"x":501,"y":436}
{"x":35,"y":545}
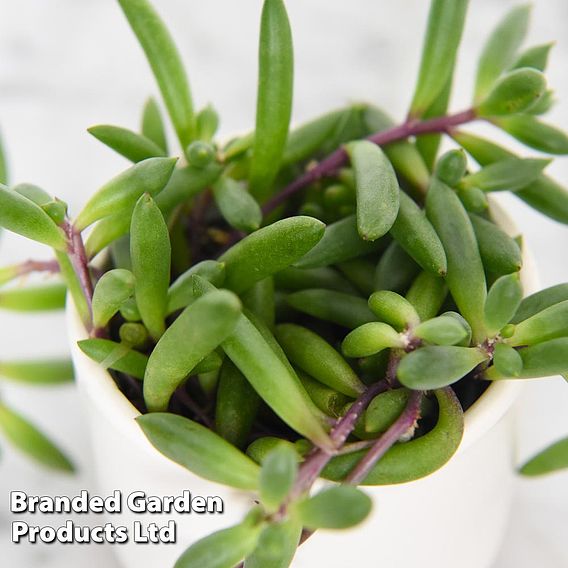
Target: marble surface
{"x":68,"y":64}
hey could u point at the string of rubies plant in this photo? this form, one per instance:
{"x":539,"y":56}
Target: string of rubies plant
{"x":315,"y":303}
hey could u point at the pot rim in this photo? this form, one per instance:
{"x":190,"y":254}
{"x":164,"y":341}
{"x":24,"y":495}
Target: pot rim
{"x":101,"y":389}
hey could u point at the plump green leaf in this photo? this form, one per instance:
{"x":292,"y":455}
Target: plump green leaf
{"x":37,"y":298}
{"x":24,"y":436}
{"x":236,"y":405}
{"x":417,"y":237}
{"x":549,"y":460}
{"x":370,"y":338}
{"x":394,"y":309}
{"x":133,"y":146}
{"x":507,"y":361}
{"x":165,"y":61}
{"x":274,"y":97}
{"x":361,"y":273}
{"x":128,"y":361}
{"x":338,"y":507}
{"x":443,"y":330}
{"x":534,"y":133}
{"x":343,"y":309}
{"x":544,"y":359}
{"x":377,"y":189}
{"x":535,"y":57}
{"x":427,"y":294}
{"x":341,"y":241}
{"x":34,"y":193}
{"x":502,"y":301}
{"x":539,"y":301}
{"x":277,"y":545}
{"x":385,"y":409}
{"x":149,"y":176}
{"x":415,"y":459}
{"x":395,"y":270}
{"x":270,"y":250}
{"x":438,"y":366}
{"x":207,"y":123}
{"x":500,"y":49}
{"x":548,"y":324}
{"x":260,"y":300}
{"x":443,"y":36}
{"x":237,"y":205}
{"x":296,"y":279}
{"x":24,"y":217}
{"x":277,"y":476}
{"x":180,"y":293}
{"x":261,"y":447}
{"x":38,"y":372}
{"x":328,"y":400}
{"x":222,"y":549}
{"x":150,"y":252}
{"x":111,"y":291}
{"x":510,"y":174}
{"x":200,"y":328}
{"x":515,"y":92}
{"x":451,"y":167}
{"x":473,"y":199}
{"x":152,"y":126}
{"x":465,"y":276}
{"x":199,"y":449}
{"x":318,"y":358}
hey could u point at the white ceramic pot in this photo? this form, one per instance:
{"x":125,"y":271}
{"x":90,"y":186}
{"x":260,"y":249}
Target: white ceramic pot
{"x":454,"y":517}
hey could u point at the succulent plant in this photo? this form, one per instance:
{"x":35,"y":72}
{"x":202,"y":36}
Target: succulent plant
{"x":321,"y":301}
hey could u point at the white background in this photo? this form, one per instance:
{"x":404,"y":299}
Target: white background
{"x":69,"y":64}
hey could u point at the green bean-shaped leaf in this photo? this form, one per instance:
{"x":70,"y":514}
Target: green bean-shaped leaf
{"x":153,"y":126}
{"x":539,"y":301}
{"x":237,"y":205}
{"x":515,"y":92}
{"x":295,"y":279}
{"x":535,"y":57}
{"x":343,"y":309}
{"x":371,"y":338}
{"x":200,"y":328}
{"x":341,"y":241}
{"x":121,"y":192}
{"x":131,"y":362}
{"x":377,"y":189}
{"x":544,"y":359}
{"x":180,"y":293}
{"x":38,"y":372}
{"x":36,"y":298}
{"x":507,"y":362}
{"x":551,"y":459}
{"x":133,"y":146}
{"x":417,"y":237}
{"x":200,"y":450}
{"x":451,"y":167}
{"x":499,"y":252}
{"x":465,"y":277}
{"x":534,"y":133}
{"x":394,"y":309}
{"x":260,"y":301}
{"x":111,"y":291}
{"x":236,"y":407}
{"x":274,"y":97}
{"x":511,"y":174}
{"x":438,"y":366}
{"x":222,"y":549}
{"x":548,"y":324}
{"x":277,"y":545}
{"x":24,"y":217}
{"x":427,"y":294}
{"x":361,"y":273}
{"x":415,"y":459}
{"x":165,"y":61}
{"x":277,"y":476}
{"x":503,"y":300}
{"x":328,"y":400}
{"x":270,"y":250}
{"x":339,"y":507}
{"x":443,"y":35}
{"x":207,"y":123}
{"x":318,"y":358}
{"x":34,"y":193}
{"x":443,"y":330}
{"x":24,"y":436}
{"x":150,"y":252}
{"x":501,"y":48}
{"x":385,"y":409}
{"x":395,"y":270}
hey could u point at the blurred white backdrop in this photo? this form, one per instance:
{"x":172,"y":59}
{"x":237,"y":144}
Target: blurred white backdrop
{"x":68,"y":64}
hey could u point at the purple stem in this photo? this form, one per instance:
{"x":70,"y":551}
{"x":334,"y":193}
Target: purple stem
{"x":337,"y":159}
{"x":400,"y":427}
{"x":30,"y":266}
